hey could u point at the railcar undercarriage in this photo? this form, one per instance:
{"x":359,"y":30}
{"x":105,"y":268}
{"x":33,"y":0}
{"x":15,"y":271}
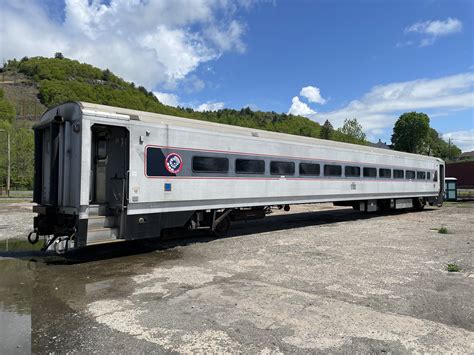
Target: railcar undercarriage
{"x":219,"y":221}
{"x":59,"y":230}
{"x":381,"y":205}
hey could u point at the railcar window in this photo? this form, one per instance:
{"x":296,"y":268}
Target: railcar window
{"x":385,"y":173}
{"x":428,"y":176}
{"x":410,"y":174}
{"x":420,"y":175}
{"x":310,"y":169}
{"x":249,"y":166}
{"x":352,"y":171}
{"x":210,"y":165}
{"x":282,"y":168}
{"x":435,"y":177}
{"x":398,"y":174}
{"x":370,"y":172}
{"x":332,"y":170}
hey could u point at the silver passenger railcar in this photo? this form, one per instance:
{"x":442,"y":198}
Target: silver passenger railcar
{"x":107,"y":174}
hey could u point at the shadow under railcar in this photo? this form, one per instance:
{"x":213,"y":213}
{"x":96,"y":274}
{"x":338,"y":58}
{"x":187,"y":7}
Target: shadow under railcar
{"x":183,"y":237}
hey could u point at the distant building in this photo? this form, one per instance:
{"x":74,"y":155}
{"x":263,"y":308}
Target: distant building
{"x":463,"y":171}
{"x":380,"y":144}
{"x":466,"y":156}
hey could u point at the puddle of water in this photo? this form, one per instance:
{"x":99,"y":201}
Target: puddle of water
{"x":15,"y":307}
{"x":15,"y":330}
{"x":41,"y":301}
{"x":11,"y":245}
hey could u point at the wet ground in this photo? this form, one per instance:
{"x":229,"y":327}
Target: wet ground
{"x":318,"y":279}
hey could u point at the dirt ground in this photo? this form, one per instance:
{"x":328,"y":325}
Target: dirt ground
{"x":16,"y":219}
{"x":319,"y":279}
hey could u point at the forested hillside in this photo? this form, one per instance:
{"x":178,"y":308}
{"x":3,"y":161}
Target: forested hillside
{"x":61,"y":79}
{"x":22,"y":145}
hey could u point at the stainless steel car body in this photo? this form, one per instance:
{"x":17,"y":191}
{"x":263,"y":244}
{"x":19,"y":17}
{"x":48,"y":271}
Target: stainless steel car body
{"x":91,"y":174}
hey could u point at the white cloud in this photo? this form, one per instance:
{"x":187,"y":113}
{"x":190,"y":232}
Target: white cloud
{"x":154,"y":42}
{"x":210,"y":106}
{"x":381,"y":106}
{"x":403,"y":44}
{"x":299,"y":108}
{"x":463,"y":139}
{"x":313,"y":94}
{"x":434,"y":29}
{"x":173,"y":100}
{"x":228,"y":38}
{"x":167,"y":98}
{"x":192,"y":84}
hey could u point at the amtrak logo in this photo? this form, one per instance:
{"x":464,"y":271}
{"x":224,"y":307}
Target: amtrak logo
{"x":173,"y":163}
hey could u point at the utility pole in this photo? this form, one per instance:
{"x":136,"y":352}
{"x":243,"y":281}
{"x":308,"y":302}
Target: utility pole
{"x":449,"y":148}
{"x":4,"y":67}
{"x":8,"y":161}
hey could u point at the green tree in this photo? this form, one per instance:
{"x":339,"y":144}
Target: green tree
{"x":106,"y":75}
{"x":7,"y":110}
{"x":327,"y":130}
{"x":22,"y":152}
{"x":4,"y":125}
{"x":22,"y":158}
{"x":351,"y":132}
{"x":438,"y":147}
{"x":58,"y":55}
{"x":453,"y":152}
{"x":411,"y":132}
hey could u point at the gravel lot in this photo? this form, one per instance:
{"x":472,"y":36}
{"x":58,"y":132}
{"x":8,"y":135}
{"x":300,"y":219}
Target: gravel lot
{"x":319,"y":279}
{"x":16,"y":219}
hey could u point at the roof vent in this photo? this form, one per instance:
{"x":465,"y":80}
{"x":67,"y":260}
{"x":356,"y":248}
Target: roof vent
{"x":254,"y":134}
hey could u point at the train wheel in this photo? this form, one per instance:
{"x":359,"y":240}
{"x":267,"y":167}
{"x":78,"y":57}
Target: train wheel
{"x":222,"y":228}
{"x":419,"y":204}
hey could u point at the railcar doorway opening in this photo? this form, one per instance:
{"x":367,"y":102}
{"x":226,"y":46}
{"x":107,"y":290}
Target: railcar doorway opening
{"x":441,"y":184}
{"x":109,"y":168}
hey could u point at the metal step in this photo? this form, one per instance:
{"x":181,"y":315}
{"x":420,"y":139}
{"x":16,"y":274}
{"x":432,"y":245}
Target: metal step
{"x":97,"y":210}
{"x":102,"y":235}
{"x":105,"y":242}
{"x":96,"y":222}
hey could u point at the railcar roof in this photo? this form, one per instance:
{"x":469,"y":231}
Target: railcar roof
{"x":151,"y":117}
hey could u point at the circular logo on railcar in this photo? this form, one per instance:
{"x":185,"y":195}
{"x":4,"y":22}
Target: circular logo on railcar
{"x":173,"y":163}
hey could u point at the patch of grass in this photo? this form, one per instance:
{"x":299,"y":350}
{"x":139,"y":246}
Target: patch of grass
{"x":465,"y":205}
{"x":17,"y":196}
{"x":466,"y":193}
{"x":21,"y":194}
{"x":443,"y":230}
{"x":14,"y":200}
{"x":461,"y":204}
{"x":453,"y":268}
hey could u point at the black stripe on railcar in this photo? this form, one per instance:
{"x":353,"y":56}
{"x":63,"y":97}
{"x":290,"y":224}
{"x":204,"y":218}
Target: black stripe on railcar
{"x":198,"y":163}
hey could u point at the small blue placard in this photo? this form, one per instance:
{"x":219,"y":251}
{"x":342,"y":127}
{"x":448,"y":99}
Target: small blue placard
{"x":167,"y":186}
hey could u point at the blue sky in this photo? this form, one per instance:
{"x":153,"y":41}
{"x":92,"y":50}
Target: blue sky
{"x":371,"y":60}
